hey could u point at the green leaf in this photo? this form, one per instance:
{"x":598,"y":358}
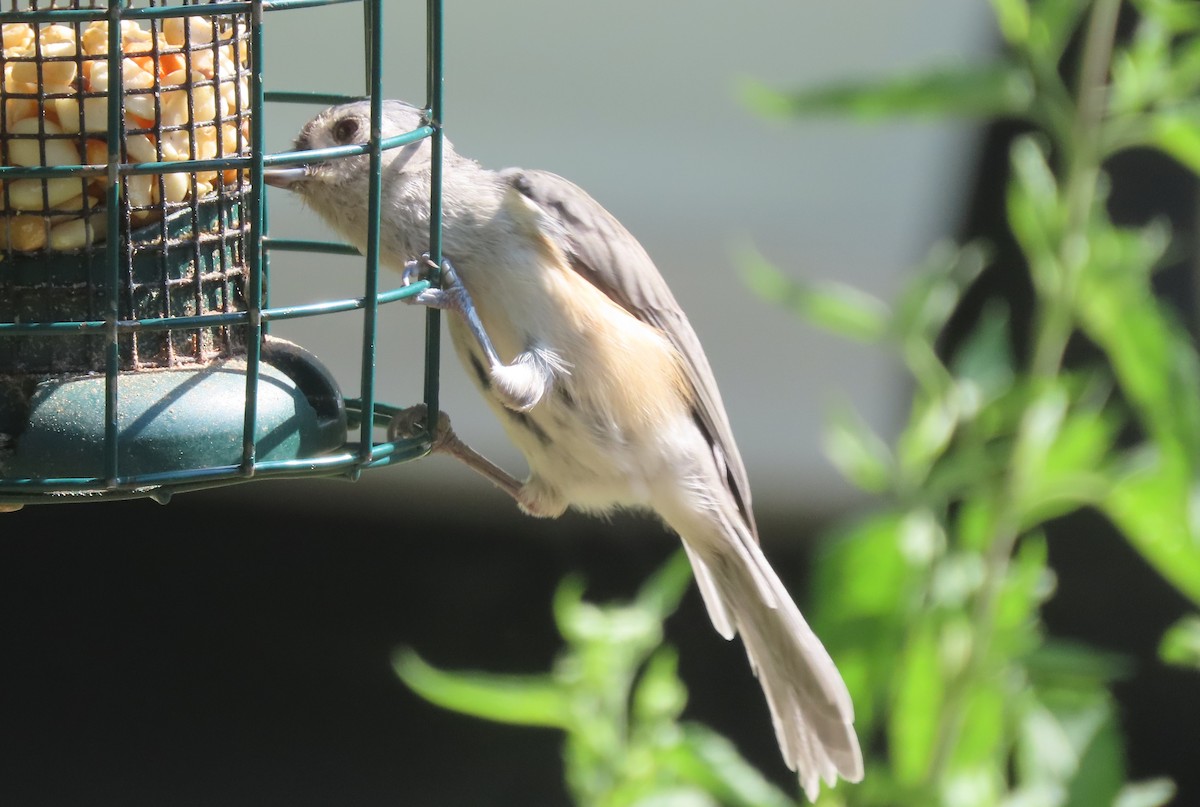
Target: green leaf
{"x":834,"y":307}
{"x":917,"y":704}
{"x":983,"y":363}
{"x":1151,"y":793}
{"x":660,"y":696}
{"x":1155,"y":362}
{"x":1153,"y":504}
{"x":862,"y":571}
{"x":1101,"y":771}
{"x":931,"y":426}
{"x":1181,"y":643}
{"x":1013,"y":18}
{"x":857,"y":452}
{"x":1035,"y":214}
{"x":982,"y":739}
{"x":1051,"y":27}
{"x":1179,"y":136}
{"x":662,"y":593}
{"x":1028,"y":584}
{"x":1141,"y":73}
{"x":1065,"y":664}
{"x":519,"y":700}
{"x":1072,"y":471}
{"x":932,"y":296}
{"x":1070,"y":738}
{"x":968,"y":92}
{"x":711,"y":762}
{"x":1178,"y":16}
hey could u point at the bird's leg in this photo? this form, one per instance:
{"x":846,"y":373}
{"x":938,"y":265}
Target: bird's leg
{"x":519,"y":384}
{"x":412,"y":421}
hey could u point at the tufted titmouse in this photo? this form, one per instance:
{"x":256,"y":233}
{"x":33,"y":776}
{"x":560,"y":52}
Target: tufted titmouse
{"x":567,"y":328}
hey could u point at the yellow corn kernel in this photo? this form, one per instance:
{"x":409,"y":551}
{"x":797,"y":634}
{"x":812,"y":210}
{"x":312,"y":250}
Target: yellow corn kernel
{"x":78,"y":233}
{"x":27,"y":150}
{"x":27,"y":194}
{"x":23,"y":233}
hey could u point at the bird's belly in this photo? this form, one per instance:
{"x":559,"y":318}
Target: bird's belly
{"x":597,"y":436}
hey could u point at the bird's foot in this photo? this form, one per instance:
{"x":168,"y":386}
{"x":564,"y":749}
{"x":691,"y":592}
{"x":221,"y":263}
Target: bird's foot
{"x":449,"y":296}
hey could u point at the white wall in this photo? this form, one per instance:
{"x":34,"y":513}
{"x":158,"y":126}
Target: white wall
{"x":638,"y":102}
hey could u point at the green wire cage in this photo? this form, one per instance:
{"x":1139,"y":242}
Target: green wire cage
{"x":136,"y":358}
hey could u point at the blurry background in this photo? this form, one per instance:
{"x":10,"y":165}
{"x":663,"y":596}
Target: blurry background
{"x":233,"y":647}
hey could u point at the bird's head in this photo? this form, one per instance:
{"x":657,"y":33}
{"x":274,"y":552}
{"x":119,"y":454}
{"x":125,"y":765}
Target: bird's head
{"x":350,"y":125}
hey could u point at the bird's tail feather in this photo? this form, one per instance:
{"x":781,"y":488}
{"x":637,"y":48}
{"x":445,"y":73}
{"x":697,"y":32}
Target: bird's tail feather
{"x":810,"y":706}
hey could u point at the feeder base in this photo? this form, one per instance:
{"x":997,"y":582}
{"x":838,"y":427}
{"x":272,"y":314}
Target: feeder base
{"x":172,"y":420}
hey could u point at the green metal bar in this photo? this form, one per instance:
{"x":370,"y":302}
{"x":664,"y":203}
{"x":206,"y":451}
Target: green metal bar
{"x":254,"y":294}
{"x":8,"y":172}
{"x":373,"y":24}
{"x":266,"y":314}
{"x":434,"y":73}
{"x":301,"y":97}
{"x":112,"y":247}
{"x":371,"y":414}
{"x":161,"y":12}
{"x":296,"y":245}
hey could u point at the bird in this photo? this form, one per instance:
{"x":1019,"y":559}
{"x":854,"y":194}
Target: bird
{"x":561,"y":319}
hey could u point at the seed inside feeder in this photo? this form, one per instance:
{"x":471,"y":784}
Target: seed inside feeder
{"x":185,"y":97}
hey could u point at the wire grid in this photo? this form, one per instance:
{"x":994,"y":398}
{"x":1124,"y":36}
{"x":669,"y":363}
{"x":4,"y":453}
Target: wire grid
{"x":184,"y":95}
{"x":201,"y":207}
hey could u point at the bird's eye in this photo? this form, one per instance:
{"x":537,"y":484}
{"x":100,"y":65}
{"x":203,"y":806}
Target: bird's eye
{"x":346,"y":131}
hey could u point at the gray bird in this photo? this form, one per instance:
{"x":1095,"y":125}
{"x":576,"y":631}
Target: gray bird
{"x":571,"y":334}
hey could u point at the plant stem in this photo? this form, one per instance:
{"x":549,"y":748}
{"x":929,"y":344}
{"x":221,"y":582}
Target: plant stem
{"x":1054,"y":325}
{"x":1082,"y":150}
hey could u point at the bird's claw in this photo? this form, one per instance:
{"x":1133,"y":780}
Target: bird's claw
{"x":449,"y":295}
{"x":414,"y":421}
{"x":417,"y":270}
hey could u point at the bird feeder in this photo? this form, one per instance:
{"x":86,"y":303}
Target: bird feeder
{"x":135,"y":353}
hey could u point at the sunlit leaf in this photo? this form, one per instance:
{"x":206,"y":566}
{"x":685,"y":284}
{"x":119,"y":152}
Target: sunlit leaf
{"x":959,"y":92}
{"x":1071,"y":472}
{"x":916,"y":706}
{"x":711,"y":762}
{"x":1178,"y":136}
{"x":1181,"y":643}
{"x":1141,"y":72}
{"x":1151,"y":793}
{"x":982,"y":737}
{"x":1013,"y":18}
{"x":1153,"y":504}
{"x":533,"y":700}
{"x":862,"y":571}
{"x":1047,"y":752}
{"x":1034,"y":212}
{"x":857,"y":452}
{"x":932,"y":296}
{"x":984,"y":362}
{"x":1051,"y":27}
{"x":926,"y":436}
{"x":833,"y":307}
{"x":1064,"y":664}
{"x":677,"y":797}
{"x":1101,"y":772}
{"x":1178,"y":16}
{"x":662,"y":593}
{"x":1028,"y":584}
{"x":660,"y":696}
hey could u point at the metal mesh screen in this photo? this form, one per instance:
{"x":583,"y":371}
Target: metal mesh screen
{"x":179,"y":92}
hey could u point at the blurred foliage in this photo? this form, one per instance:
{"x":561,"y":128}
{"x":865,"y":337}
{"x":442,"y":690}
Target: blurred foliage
{"x":615,"y":694}
{"x":931,"y":605}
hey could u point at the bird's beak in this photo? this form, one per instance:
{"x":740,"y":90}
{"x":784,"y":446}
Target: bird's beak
{"x":285,"y":177}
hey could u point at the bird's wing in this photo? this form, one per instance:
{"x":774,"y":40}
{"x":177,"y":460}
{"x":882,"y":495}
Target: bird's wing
{"x":608,"y":256}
